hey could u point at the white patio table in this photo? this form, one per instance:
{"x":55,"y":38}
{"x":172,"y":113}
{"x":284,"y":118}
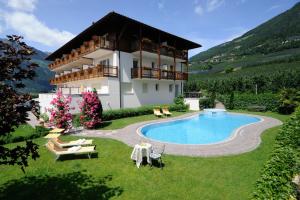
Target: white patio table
{"x":140,"y":151}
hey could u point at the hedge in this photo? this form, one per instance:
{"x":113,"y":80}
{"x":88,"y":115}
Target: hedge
{"x":39,"y":132}
{"x":276,"y":178}
{"x":245,"y":101}
{"x":144,"y":110}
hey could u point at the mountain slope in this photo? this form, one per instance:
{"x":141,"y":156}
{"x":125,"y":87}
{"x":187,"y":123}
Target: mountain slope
{"x":41,"y":82}
{"x":275,"y":41}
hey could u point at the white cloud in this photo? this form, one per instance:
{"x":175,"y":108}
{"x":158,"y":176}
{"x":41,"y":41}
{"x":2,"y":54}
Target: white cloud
{"x":199,"y":10}
{"x":273,"y":8}
{"x":209,"y":6}
{"x":32,"y":29}
{"x":214,"y":4}
{"x":161,"y":5}
{"x":20,"y":19}
{"x":22,"y":5}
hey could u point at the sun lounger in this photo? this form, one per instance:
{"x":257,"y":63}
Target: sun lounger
{"x":157,"y":112}
{"x":80,"y":142}
{"x":166,"y":111}
{"x":70,"y":151}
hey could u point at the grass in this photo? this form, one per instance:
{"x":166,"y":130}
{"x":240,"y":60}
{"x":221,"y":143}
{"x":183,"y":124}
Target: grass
{"x":113,"y":175}
{"x":121,"y":123}
{"x":22,"y":131}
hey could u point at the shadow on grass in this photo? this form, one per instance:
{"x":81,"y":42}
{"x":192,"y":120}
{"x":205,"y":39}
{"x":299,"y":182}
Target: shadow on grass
{"x":75,"y":185}
{"x":104,"y":124}
{"x":76,"y":157}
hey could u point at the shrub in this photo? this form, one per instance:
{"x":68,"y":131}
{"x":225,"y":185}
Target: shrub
{"x":205,"y":103}
{"x":179,"y":100}
{"x":76,"y":120}
{"x":257,"y":108}
{"x":144,"y":110}
{"x":229,"y":70}
{"x":91,"y":110}
{"x":60,"y":115}
{"x":276,"y":178}
{"x":243,"y":101}
{"x":289,"y":99}
{"x":45,"y":117}
{"x":231,"y":101}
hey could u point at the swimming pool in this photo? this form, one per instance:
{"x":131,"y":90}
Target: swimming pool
{"x":205,"y":128}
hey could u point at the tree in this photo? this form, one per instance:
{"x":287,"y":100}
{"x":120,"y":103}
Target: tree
{"x":60,"y":115}
{"x":91,"y":109}
{"x":14,"y":105}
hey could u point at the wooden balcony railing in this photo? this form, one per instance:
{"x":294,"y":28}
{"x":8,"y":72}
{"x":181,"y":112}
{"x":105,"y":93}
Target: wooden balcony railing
{"x":93,"y":72}
{"x":155,"y":73}
{"x":165,"y":50}
{"x":97,"y":42}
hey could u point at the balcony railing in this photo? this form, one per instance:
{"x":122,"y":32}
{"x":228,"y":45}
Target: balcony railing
{"x":93,"y":72}
{"x":155,"y":73}
{"x":165,"y":50}
{"x":97,"y":42}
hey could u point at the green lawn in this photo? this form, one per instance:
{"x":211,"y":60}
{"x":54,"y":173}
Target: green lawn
{"x":113,"y":175}
{"x":121,"y":123}
{"x":22,"y":131}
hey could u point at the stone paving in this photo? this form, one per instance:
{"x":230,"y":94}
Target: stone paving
{"x":245,"y":139}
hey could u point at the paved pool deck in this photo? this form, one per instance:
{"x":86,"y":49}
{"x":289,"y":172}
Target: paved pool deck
{"x":245,"y":139}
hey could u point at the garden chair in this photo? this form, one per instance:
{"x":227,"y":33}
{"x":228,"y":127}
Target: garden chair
{"x":80,"y":142}
{"x":70,"y":151}
{"x":166,"y":111}
{"x":157,"y":112}
{"x":156,"y":154}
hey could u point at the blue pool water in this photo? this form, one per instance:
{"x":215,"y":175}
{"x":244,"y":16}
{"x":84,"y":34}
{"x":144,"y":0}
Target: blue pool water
{"x":201,"y":129}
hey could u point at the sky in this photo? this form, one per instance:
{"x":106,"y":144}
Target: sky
{"x":48,"y":24}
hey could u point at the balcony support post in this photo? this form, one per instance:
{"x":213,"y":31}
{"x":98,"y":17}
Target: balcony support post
{"x":158,"y":57}
{"x":141,"y":54}
{"x":174,"y":67}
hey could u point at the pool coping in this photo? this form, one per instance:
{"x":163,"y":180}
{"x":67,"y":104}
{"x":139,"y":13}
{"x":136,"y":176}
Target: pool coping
{"x":244,"y":139}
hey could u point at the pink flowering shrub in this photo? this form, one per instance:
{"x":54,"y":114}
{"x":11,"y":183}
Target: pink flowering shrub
{"x":60,"y":115}
{"x":91,"y":110}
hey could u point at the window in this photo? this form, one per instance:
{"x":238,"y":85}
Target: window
{"x":153,"y":65}
{"x":145,"y":87}
{"x":104,"y":62}
{"x":127,"y":88}
{"x":156,"y":87}
{"x":135,"y":64}
{"x":171,"y":88}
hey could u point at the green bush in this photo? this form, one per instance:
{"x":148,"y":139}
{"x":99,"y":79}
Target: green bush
{"x":205,"y":103}
{"x":45,"y":117}
{"x":144,"y":110}
{"x":276,"y":178}
{"x":289,"y":99}
{"x":179,"y":100}
{"x":243,"y":101}
{"x":256,"y":108}
{"x":76,"y":120}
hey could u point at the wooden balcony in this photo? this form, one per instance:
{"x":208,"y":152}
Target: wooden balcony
{"x":148,"y":45}
{"x":87,"y":47}
{"x":155,"y":73}
{"x":93,"y":72}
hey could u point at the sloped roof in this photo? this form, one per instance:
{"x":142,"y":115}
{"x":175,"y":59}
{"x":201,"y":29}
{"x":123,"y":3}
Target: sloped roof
{"x":115,"y":22}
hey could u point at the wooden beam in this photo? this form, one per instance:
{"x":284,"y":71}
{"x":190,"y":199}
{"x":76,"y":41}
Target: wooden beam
{"x":141,"y":54}
{"x":158,"y":57}
{"x":174,"y":63}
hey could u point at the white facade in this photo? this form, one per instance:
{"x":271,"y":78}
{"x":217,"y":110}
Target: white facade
{"x":122,"y":91}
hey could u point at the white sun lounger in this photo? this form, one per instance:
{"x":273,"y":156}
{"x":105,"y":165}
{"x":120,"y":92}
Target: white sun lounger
{"x":70,"y":151}
{"x":80,"y":142}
